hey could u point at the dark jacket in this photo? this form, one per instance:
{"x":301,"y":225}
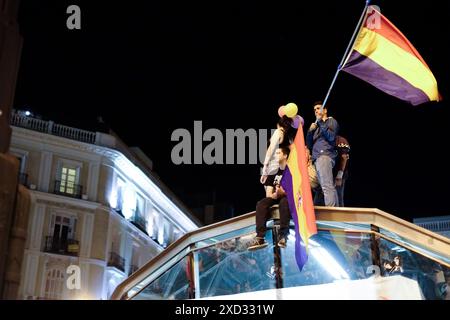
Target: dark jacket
{"x":322,"y":140}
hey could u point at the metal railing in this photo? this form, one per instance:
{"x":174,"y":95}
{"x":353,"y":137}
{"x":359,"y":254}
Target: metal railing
{"x":438,"y":226}
{"x":419,"y":236}
{"x":116,"y":261}
{"x":68,"y":189}
{"x":69,"y":247}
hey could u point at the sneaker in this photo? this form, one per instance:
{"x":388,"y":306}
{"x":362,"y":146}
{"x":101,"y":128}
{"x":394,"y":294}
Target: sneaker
{"x":257,"y":243}
{"x":282,"y":243}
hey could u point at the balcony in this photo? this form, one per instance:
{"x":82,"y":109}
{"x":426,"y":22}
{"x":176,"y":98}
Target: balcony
{"x":68,"y":189}
{"x":23,"y":179}
{"x":116,"y":261}
{"x":49,"y":127}
{"x":68,"y":247}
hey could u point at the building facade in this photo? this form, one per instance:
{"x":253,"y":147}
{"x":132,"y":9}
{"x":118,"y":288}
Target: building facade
{"x":440,"y":225}
{"x":97,"y":212}
{"x":10,"y":51}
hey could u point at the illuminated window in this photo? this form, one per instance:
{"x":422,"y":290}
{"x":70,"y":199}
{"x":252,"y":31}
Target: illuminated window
{"x":68,"y":180}
{"x":129,"y":201}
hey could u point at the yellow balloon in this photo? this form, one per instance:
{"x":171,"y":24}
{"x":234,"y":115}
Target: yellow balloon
{"x":290,"y":110}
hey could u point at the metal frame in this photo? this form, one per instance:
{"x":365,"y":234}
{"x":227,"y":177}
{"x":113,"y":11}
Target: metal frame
{"x":374,"y":217}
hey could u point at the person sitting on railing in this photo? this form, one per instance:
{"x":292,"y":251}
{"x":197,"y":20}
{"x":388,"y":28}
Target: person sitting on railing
{"x":274,"y":195}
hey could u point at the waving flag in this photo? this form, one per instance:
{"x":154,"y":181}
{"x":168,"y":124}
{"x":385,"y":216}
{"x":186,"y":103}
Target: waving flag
{"x":295,"y":183}
{"x":385,"y":58}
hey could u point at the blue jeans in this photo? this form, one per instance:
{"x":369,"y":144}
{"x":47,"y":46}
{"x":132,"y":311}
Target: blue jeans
{"x":324,"y":166}
{"x":318,"y":195}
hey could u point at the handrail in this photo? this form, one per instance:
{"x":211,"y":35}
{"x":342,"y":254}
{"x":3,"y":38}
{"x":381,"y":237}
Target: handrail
{"x":376,"y":217}
{"x":389,"y":222}
{"x":182,"y":243}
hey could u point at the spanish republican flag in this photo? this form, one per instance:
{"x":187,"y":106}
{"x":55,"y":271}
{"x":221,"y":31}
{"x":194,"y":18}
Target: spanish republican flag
{"x":383,"y":57}
{"x":295,"y":183}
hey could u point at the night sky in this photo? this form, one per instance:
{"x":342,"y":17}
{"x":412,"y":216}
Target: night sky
{"x":150,"y":67}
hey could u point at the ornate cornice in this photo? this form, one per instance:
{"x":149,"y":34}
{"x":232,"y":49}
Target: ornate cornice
{"x":64,"y":202}
{"x":64,"y":205}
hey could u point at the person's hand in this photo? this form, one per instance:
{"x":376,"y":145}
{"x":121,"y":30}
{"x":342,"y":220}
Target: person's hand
{"x":313,"y":126}
{"x":274,"y":196}
{"x":280,"y":191}
{"x":263,"y":179}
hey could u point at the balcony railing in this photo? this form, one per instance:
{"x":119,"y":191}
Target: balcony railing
{"x":23,"y":179}
{"x":50,"y":127}
{"x":68,"y":189}
{"x":116,"y":261}
{"x":69,"y":247}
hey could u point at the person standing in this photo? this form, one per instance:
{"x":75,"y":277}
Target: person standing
{"x":321,"y":140}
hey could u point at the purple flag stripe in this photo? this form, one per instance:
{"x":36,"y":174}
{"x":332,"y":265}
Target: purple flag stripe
{"x":301,"y":255}
{"x":366,"y":69}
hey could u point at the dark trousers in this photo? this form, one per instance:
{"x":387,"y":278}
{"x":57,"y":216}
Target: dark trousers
{"x":263,"y":214}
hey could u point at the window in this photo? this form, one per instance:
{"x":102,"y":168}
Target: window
{"x":129,"y":201}
{"x":54,"y":284}
{"x":68,"y":180}
{"x":134,"y":259}
{"x":61,"y":235}
{"x":150,"y":220}
{"x":64,"y":228}
{"x":140,"y":206}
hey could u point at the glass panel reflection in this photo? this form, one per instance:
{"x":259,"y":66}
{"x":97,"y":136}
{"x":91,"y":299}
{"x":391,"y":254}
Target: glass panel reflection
{"x":229,"y":268}
{"x":432,"y":277}
{"x":173,"y":284}
{"x":337,"y":255}
{"x":419,"y":248}
{"x":333,"y":255}
{"x":235,"y":233}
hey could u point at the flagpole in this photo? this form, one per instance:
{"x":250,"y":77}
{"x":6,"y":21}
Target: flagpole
{"x":349,"y":47}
